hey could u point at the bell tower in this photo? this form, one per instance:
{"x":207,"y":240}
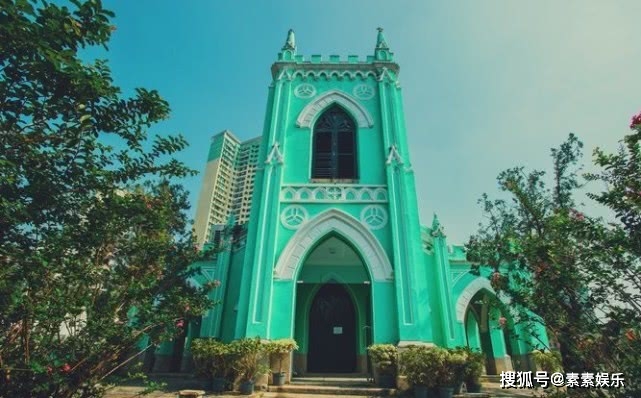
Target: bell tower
{"x":335,"y":204}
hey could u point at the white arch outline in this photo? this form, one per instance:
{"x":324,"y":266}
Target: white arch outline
{"x":311,"y":111}
{"x":470,"y":291}
{"x":305,"y":238}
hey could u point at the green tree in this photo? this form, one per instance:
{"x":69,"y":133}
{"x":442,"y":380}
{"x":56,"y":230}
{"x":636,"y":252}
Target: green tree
{"x":578,"y":274}
{"x":95,"y":244}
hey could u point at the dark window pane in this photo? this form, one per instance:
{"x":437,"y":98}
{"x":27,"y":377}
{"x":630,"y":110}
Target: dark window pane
{"x":334,"y":145}
{"x":323,"y":142}
{"x":345,"y":142}
{"x":346,"y":166}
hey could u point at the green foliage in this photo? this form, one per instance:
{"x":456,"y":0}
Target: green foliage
{"x":95,"y":250}
{"x":452,"y":372}
{"x":549,"y":361}
{"x":247,"y":359}
{"x":384,"y":357}
{"x":421,"y":365}
{"x":212,"y":358}
{"x":578,"y":275}
{"x":280,"y":349}
{"x":474,"y":365}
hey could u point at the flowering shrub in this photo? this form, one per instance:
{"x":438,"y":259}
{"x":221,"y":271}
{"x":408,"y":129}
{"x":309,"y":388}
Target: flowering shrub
{"x":577,"y":274}
{"x":636,"y":120}
{"x":422,"y":364}
{"x":384,"y":357}
{"x":280,"y":349}
{"x":212,"y":358}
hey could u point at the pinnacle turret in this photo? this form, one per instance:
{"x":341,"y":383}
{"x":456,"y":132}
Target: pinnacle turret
{"x":437,"y":228}
{"x":290,"y":43}
{"x":381,"y":44}
{"x":382,"y":52}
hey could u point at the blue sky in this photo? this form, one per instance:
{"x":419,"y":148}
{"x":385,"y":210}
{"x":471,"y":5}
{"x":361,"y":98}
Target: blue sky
{"x":487,"y":85}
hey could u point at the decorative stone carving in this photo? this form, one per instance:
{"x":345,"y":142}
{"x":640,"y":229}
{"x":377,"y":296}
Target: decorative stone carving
{"x":274,"y":154}
{"x":305,"y":90}
{"x":363,"y":91}
{"x":338,"y":74}
{"x":313,"y":109}
{"x":334,"y":221}
{"x":293,"y":216}
{"x":333,"y":193}
{"x":374,"y":216}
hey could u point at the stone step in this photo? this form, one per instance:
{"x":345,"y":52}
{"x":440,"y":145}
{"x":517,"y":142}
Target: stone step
{"x":491,"y":379}
{"x":270,"y":394}
{"x":344,"y":394}
{"x":328,"y":380}
{"x":327,"y":389}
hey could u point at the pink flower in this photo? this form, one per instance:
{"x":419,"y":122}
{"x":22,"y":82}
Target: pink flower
{"x":49,"y":370}
{"x":66,"y":368}
{"x":180,"y":324}
{"x":630,"y":335}
{"x":502,"y":321}
{"x":577,"y":215}
{"x":636,"y":120}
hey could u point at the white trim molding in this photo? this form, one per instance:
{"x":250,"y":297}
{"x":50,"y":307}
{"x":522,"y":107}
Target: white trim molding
{"x":311,"y":111}
{"x":333,"y":193}
{"x":303,"y":241}
{"x":466,"y":295}
{"x":478,"y":284}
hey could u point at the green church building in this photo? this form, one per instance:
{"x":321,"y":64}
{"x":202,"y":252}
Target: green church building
{"x":334,"y":255}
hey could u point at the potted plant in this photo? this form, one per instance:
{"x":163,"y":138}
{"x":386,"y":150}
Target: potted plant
{"x":549,"y":361}
{"x":451,"y":373}
{"x":384,"y":358}
{"x":212,"y":361}
{"x":278,"y":351}
{"x":474,"y":370}
{"x":421,"y":366}
{"x":459,"y":370}
{"x":247,"y":355}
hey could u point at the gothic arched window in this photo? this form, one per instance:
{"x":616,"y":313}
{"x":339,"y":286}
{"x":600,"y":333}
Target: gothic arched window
{"x":334,"y":146}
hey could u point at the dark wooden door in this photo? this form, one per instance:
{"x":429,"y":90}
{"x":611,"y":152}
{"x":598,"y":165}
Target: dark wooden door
{"x":332,"y":332}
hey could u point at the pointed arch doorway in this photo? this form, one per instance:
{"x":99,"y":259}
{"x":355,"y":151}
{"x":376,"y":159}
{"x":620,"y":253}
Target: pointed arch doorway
{"x":332,"y":331}
{"x":333,"y":309}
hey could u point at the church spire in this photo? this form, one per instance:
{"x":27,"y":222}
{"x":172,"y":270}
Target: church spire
{"x":382,"y":52}
{"x":381,"y":44}
{"x":437,"y":228}
{"x":290,"y":43}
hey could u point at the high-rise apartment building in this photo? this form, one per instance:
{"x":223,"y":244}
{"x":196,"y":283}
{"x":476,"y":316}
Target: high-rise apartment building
{"x":228,"y":183}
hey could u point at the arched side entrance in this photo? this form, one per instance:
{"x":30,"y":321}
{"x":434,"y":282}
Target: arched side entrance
{"x":485,"y":332}
{"x":488,"y":326}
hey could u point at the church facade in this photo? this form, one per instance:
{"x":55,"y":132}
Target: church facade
{"x":334,"y":255}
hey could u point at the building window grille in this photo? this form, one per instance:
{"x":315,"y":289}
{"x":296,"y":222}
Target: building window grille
{"x":334,"y":148}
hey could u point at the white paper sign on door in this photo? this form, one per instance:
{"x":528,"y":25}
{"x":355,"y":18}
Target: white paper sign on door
{"x":338,"y":330}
